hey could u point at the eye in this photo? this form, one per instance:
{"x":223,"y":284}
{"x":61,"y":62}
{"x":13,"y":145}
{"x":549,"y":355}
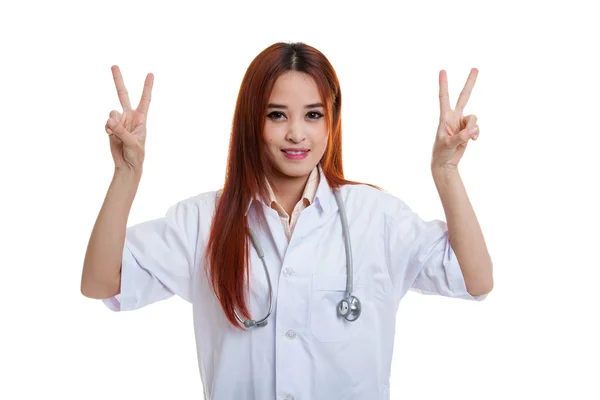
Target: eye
{"x":275,"y":115}
{"x":315,"y":115}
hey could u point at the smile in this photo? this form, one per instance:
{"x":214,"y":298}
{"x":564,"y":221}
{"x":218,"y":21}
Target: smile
{"x":295,"y":154}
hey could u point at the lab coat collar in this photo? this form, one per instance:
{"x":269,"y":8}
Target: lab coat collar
{"x":324,"y":197}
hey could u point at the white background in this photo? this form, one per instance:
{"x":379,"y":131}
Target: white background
{"x":531,"y":177}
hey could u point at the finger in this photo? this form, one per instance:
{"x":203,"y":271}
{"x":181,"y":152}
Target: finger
{"x":107,"y":128}
{"x":469,"y":121}
{"x":444,"y":97}
{"x":115,"y":115}
{"x":462,"y":137}
{"x":466,"y":92}
{"x":120,"y":131}
{"x":146,"y":94}
{"x":121,"y":91}
{"x":475,"y":134}
{"x":471,"y":126}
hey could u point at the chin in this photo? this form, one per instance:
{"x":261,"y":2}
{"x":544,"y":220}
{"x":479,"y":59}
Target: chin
{"x":295,"y":169}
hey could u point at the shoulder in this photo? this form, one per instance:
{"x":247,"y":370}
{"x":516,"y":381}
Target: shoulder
{"x":198,"y":205}
{"x":368,"y":197}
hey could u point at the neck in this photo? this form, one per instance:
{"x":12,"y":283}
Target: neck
{"x":288,"y":189}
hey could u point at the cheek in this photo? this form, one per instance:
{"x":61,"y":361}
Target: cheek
{"x":318,"y":132}
{"x":271,"y":134}
{"x":321,"y":138}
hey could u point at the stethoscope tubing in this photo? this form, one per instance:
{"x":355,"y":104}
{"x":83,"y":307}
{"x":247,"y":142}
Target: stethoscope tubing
{"x":349,"y":269}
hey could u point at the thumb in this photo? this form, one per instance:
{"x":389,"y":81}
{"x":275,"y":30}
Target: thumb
{"x":120,"y":131}
{"x":464,"y":135}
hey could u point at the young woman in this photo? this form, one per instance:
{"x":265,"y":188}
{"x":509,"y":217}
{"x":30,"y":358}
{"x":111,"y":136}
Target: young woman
{"x":295,"y":273}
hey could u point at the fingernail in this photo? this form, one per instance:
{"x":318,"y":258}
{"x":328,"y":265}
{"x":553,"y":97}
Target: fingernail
{"x":111,"y":123}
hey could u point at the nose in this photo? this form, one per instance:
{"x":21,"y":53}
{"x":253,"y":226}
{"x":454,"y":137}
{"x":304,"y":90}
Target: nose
{"x":295,"y":133}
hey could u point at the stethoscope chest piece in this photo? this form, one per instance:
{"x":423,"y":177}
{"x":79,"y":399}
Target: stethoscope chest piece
{"x":349,"y":308}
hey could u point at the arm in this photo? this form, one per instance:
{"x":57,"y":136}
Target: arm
{"x":101,"y":276}
{"x":464,"y":232}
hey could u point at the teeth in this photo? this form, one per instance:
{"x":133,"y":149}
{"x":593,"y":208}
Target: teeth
{"x":295,"y":152}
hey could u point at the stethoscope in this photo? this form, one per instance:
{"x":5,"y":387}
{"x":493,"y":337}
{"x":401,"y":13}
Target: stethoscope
{"x":349,"y":307}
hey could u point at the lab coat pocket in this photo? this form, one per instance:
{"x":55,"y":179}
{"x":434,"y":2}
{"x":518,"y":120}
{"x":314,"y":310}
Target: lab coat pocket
{"x":325,"y":323}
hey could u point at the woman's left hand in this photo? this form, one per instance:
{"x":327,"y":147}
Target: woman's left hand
{"x":455,"y":130}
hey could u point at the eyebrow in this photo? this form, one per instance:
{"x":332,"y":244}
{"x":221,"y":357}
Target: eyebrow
{"x":314,"y":105}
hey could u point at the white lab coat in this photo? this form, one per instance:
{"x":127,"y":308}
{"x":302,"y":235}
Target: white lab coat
{"x":306,"y":352}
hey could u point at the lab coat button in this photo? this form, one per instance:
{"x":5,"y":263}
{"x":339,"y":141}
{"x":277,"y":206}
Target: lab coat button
{"x":287,"y":272}
{"x":290,"y":334}
{"x":289,"y":397}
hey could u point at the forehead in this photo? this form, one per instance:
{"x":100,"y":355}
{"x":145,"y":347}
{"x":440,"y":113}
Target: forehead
{"x":295,"y":87}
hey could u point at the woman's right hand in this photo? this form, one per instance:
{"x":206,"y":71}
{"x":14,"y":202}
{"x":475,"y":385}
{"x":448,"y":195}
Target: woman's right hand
{"x":127,"y":131}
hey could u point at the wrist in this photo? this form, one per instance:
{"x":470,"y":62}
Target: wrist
{"x":444,"y":172}
{"x":128,"y":174}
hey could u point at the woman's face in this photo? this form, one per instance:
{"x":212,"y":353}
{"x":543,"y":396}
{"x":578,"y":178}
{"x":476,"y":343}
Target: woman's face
{"x":295,"y":132}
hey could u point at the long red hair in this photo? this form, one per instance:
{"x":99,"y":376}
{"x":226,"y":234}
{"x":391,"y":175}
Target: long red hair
{"x":228,"y":245}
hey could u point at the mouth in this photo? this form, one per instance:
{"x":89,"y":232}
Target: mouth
{"x":295,"y":151}
{"x":295,"y":154}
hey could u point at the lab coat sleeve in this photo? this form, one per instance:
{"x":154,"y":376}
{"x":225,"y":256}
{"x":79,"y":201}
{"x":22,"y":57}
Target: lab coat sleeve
{"x":419,"y":255}
{"x":158,"y":259}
